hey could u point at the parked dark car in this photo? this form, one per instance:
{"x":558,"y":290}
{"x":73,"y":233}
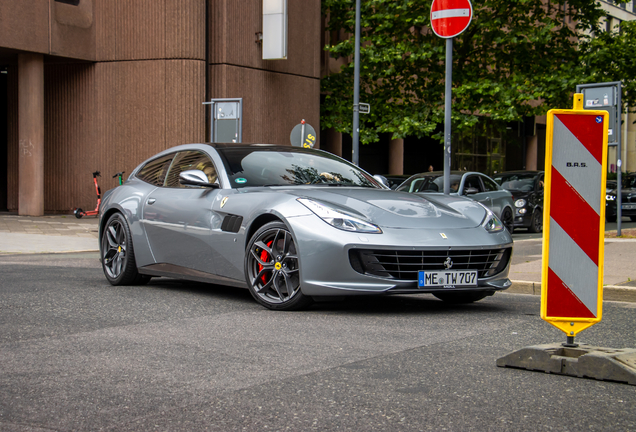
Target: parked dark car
{"x":527,"y":192}
{"x":474,"y":185}
{"x":628,"y":199}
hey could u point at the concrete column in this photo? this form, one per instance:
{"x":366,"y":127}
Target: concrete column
{"x":31,"y":134}
{"x":396,"y":156}
{"x":532,"y":149}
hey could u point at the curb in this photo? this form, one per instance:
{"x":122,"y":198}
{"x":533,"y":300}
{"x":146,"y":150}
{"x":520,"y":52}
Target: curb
{"x":610,"y":292}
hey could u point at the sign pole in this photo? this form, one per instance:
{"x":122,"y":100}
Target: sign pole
{"x":447,"y":114}
{"x":449,"y":18}
{"x":355,"y":157}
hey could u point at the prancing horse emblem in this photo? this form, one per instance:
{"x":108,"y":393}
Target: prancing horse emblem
{"x":223,"y":201}
{"x":448,"y":263}
{"x":443,"y":235}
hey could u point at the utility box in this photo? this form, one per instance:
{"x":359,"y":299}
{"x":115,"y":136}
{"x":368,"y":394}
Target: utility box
{"x":227,"y":123}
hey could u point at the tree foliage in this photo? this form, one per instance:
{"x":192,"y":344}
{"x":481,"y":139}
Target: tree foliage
{"x":517,"y":58}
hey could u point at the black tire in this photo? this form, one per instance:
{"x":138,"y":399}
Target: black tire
{"x":272,"y":269}
{"x":78,"y":213}
{"x":507,"y":219}
{"x":118,"y":255}
{"x":536,"y":224}
{"x":462,"y":297}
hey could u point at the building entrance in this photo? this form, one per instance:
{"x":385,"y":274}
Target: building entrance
{"x":4,"y":181}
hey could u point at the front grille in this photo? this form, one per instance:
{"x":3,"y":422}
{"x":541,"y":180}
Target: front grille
{"x":405,"y":264}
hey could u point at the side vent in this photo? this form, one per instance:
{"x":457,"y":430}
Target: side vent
{"x":232,"y":223}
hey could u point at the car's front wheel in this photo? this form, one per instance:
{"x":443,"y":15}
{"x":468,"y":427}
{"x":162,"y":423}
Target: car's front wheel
{"x":536,"y":224}
{"x":508,"y":220}
{"x":272,"y":268}
{"x":462,"y":297}
{"x":117,"y":254}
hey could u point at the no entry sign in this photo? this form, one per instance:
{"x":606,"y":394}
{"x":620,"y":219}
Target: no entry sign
{"x":450,"y":17}
{"x":574,"y":218}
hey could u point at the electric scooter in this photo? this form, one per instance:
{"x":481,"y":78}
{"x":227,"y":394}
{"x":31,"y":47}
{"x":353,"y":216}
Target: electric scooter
{"x":79,"y":213}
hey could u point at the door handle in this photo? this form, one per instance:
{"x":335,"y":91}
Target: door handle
{"x":151,"y":201}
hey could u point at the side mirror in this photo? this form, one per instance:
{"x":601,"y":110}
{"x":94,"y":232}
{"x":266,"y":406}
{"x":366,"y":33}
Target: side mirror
{"x":471,"y":191}
{"x":196,"y":178}
{"x":382,"y":180}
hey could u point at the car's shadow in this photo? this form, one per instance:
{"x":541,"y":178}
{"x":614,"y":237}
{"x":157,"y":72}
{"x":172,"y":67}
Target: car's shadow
{"x":358,"y":304}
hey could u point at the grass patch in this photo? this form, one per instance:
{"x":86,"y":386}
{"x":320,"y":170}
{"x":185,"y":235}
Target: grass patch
{"x":625,"y":233}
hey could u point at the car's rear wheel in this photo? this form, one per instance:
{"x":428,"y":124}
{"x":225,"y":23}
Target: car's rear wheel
{"x":508,"y":220}
{"x":272,"y":268}
{"x":462,"y":297}
{"x":118,"y":256}
{"x":536,"y":224}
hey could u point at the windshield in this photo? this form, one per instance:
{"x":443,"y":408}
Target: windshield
{"x":273,"y":166}
{"x":430,"y":183}
{"x":517,"y":181}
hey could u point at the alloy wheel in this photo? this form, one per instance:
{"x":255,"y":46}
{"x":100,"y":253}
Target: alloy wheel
{"x":114,"y":244}
{"x":272,"y":266}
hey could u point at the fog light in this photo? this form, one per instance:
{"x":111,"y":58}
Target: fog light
{"x":522,"y":211}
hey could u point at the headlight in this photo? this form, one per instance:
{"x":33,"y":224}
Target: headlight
{"x":492,"y":223}
{"x":610,"y":197}
{"x":520,"y":203}
{"x":338,"y":218}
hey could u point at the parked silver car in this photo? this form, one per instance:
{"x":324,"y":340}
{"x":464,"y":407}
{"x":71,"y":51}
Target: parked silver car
{"x":293,"y":224}
{"x":474,"y":185}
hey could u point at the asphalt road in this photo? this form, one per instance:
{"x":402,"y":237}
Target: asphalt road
{"x":77,"y":354}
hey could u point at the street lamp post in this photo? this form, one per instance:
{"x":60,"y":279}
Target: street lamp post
{"x":355,"y":156}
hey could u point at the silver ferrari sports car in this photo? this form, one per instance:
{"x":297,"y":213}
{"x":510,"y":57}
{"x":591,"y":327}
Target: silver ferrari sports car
{"x":292,"y":225}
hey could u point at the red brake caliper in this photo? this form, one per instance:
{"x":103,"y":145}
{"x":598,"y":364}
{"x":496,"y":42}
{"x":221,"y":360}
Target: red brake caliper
{"x":264,"y":258}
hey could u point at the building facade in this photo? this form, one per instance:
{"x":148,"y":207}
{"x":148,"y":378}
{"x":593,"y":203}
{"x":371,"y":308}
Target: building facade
{"x":100,"y":85}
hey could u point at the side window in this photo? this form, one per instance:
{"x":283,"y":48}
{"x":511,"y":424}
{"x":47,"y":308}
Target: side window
{"x":154,"y":172}
{"x":489,"y":184}
{"x":540,"y":183}
{"x":190,"y":160}
{"x":473,"y":182}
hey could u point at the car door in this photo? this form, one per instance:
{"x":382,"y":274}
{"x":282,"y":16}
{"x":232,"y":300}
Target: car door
{"x":178,"y":218}
{"x":473,"y":181}
{"x":499,"y":197}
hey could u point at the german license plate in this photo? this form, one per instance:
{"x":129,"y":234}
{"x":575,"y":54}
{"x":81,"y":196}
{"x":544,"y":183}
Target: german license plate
{"x":447,"y":278}
{"x":628,"y":206}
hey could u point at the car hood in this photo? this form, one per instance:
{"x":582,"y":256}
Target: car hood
{"x":624,"y":192}
{"x":391,"y":209}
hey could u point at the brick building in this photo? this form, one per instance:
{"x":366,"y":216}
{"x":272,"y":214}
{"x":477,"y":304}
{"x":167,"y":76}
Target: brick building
{"x":90,"y":85}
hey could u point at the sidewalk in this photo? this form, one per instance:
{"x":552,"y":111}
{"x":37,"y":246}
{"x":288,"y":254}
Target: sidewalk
{"x":65,"y":233}
{"x":47,"y":234}
{"x":619,"y":273}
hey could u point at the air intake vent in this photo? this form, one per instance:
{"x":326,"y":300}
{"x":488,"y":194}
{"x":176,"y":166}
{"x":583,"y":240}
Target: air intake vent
{"x":232,"y":223}
{"x":405,"y":265}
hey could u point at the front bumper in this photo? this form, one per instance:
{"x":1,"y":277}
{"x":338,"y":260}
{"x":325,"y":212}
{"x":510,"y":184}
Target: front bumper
{"x":326,"y":270}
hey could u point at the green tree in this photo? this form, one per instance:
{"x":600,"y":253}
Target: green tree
{"x":517,"y":58}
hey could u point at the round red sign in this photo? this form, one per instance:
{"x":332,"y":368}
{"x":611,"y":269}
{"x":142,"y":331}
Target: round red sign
{"x":450,"y":17}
